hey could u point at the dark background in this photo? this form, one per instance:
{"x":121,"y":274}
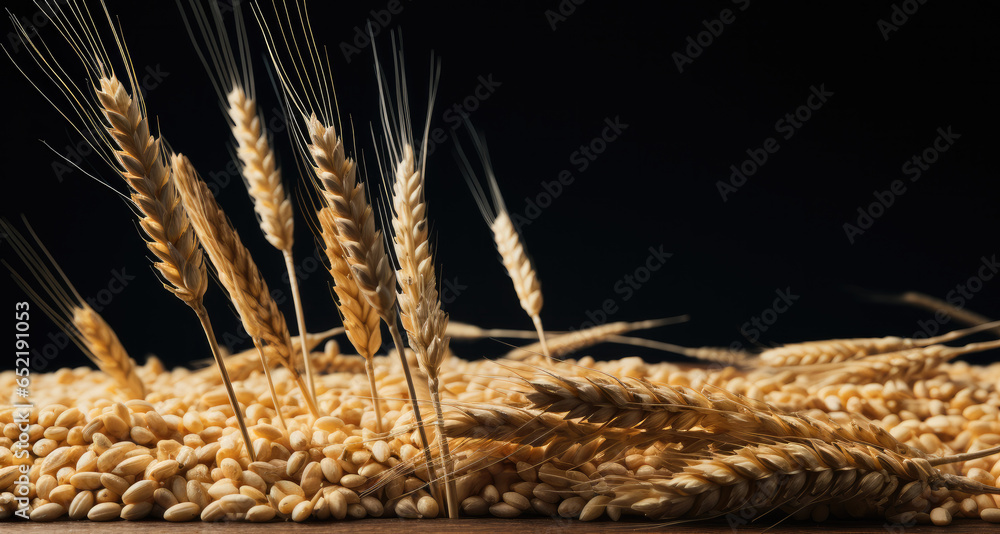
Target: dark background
{"x":656,"y":185}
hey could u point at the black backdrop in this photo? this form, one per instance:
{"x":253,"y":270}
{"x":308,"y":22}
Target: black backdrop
{"x":701,"y":87}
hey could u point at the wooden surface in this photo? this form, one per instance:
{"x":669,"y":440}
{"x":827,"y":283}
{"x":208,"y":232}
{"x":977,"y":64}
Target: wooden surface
{"x":512,"y":526}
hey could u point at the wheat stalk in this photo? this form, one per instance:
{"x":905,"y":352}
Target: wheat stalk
{"x":233,"y":83}
{"x":508,"y":241}
{"x":69,"y":310}
{"x":239,"y":275}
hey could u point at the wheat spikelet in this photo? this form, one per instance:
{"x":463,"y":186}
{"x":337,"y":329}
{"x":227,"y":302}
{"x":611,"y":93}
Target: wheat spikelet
{"x":66,"y":308}
{"x":508,"y":241}
{"x":840,"y":350}
{"x":238,"y":274}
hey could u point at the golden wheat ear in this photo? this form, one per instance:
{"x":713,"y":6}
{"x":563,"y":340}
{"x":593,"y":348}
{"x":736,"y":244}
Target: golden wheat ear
{"x":303,"y":72}
{"x":419,"y":302}
{"x":234,"y":84}
{"x":239,"y":275}
{"x":71,"y":313}
{"x":508,"y":240}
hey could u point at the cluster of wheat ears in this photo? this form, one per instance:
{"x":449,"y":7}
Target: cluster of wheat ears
{"x":889,"y":428}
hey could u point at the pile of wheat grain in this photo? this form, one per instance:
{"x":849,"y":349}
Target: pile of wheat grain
{"x":562,"y":439}
{"x":889,"y":428}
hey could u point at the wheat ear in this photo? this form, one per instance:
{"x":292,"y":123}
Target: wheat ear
{"x":508,"y":241}
{"x":361,"y":323}
{"x":164,"y":220}
{"x":793,"y":474}
{"x":361,"y":242}
{"x":239,"y":275}
{"x":233,"y":82}
{"x":85,"y":327}
{"x":840,"y":350}
{"x":907,"y":364}
{"x":419,"y":303}
{"x":638,"y":404}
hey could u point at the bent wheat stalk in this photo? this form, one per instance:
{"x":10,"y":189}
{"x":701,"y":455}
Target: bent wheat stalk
{"x":258,"y":162}
{"x":508,"y":240}
{"x":70,"y":311}
{"x":239,"y":275}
